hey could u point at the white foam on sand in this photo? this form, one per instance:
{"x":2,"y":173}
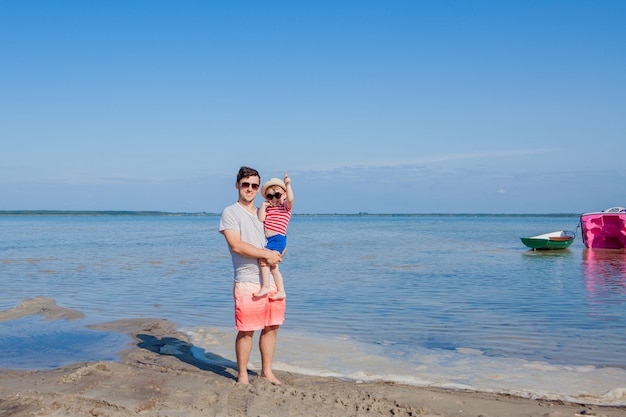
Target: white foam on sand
{"x":455,"y":369}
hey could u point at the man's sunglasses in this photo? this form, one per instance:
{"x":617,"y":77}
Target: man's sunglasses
{"x":275,"y":195}
{"x":247,"y":184}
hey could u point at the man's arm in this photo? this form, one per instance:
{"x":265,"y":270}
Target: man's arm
{"x":233,"y":238}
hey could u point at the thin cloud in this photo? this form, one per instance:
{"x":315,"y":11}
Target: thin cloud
{"x":429,"y":159}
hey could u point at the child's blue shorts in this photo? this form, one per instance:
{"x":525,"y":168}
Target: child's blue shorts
{"x":277,"y":243}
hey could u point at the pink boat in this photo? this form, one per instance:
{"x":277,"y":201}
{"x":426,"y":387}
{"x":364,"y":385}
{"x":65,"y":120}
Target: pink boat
{"x":604,"y":229}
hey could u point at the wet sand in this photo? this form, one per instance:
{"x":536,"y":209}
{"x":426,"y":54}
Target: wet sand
{"x":159,"y":376}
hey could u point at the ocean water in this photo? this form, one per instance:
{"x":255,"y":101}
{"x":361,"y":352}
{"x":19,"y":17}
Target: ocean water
{"x":446,"y":301}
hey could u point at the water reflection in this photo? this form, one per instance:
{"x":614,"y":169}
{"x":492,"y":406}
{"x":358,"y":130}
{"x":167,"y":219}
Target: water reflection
{"x":564,"y":253}
{"x":605,"y":275}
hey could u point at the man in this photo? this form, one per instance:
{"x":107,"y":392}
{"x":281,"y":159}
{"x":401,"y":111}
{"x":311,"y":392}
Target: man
{"x":246,"y":241}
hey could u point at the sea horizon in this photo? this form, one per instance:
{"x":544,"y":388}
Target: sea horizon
{"x":213,"y":214}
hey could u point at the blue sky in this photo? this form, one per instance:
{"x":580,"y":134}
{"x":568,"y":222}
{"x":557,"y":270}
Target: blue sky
{"x":371,"y":106}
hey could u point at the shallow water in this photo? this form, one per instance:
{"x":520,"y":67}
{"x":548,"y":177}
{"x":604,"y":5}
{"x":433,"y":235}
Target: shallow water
{"x":431,"y":300}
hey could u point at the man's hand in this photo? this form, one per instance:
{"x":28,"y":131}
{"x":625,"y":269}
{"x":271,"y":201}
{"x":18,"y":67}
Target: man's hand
{"x":273,"y":257}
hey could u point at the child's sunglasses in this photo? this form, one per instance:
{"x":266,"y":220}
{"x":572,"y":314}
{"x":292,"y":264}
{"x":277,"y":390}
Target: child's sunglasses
{"x":275,"y":195}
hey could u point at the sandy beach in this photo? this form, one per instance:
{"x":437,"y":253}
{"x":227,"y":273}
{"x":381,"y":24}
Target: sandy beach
{"x":158,"y":376}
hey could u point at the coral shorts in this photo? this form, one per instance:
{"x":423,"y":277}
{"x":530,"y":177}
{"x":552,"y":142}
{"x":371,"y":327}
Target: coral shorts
{"x":256,"y":313}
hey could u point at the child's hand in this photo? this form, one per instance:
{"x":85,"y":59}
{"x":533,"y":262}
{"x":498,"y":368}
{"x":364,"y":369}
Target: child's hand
{"x":264,"y":205}
{"x":287,"y":179}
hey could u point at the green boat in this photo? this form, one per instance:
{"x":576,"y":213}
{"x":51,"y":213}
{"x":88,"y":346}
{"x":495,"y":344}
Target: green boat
{"x":554,"y":240}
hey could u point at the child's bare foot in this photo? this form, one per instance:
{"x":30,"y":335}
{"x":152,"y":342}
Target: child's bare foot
{"x":263,"y":291}
{"x":278,"y":296}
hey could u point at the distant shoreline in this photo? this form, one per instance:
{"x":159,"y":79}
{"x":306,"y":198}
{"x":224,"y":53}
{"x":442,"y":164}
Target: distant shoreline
{"x":206,"y":214}
{"x":96,"y":213}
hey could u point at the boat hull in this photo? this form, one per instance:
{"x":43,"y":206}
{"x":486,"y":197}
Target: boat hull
{"x":604,"y":230}
{"x":550,"y":241}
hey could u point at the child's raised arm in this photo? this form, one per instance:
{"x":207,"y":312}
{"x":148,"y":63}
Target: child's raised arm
{"x":289,"y":200}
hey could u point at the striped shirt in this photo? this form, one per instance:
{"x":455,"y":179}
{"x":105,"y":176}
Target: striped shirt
{"x":277,"y":218}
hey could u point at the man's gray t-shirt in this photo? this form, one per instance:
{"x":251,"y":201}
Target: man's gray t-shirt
{"x":235,"y":217}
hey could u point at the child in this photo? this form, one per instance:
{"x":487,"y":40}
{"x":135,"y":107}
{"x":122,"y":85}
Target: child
{"x":275,"y":214}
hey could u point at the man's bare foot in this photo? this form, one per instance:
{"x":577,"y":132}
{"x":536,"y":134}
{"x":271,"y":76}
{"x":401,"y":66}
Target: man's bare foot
{"x":263,"y":291}
{"x":243,"y":379}
{"x":271,"y":378}
{"x":278,"y":296}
